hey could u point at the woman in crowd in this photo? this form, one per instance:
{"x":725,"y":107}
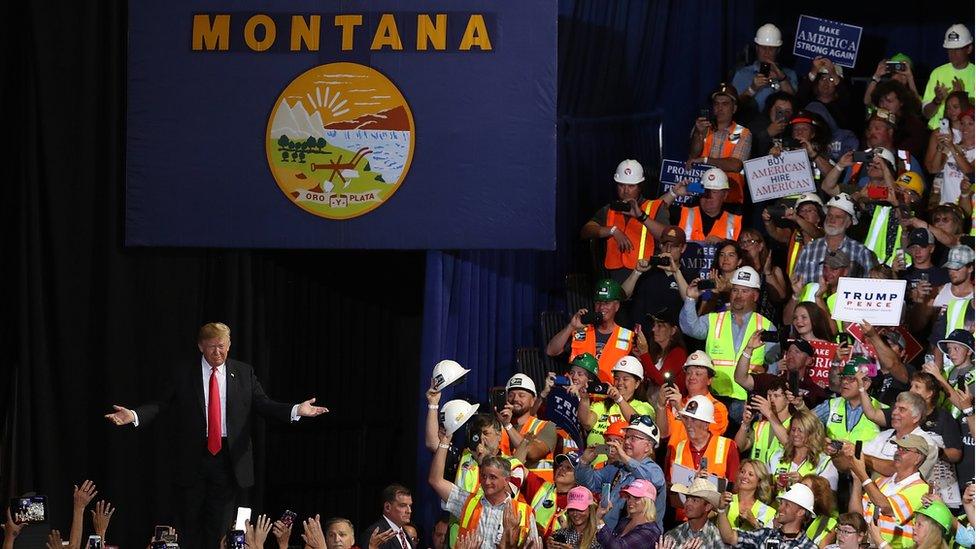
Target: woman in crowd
{"x":773,"y":123}
{"x":757,"y":255}
{"x":665,"y":354}
{"x":903,"y":76}
{"x":810,"y":323}
{"x":822,"y":529}
{"x":581,"y":532}
{"x":930,"y":527}
{"x":911,"y":132}
{"x":751,"y":506}
{"x":809,"y":131}
{"x":852,"y":532}
{"x":728,"y":258}
{"x":803,"y":454}
{"x":825,"y":84}
{"x":621,"y":402}
{"x":798,"y":226}
{"x":640,"y":530}
{"x":946,"y":150}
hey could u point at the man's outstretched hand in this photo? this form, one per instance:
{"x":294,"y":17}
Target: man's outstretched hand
{"x":121,"y":415}
{"x":308,"y":409}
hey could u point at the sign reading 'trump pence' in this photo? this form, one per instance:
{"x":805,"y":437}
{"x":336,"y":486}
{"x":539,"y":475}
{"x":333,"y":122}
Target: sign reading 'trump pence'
{"x":836,"y":41}
{"x":879,"y":301}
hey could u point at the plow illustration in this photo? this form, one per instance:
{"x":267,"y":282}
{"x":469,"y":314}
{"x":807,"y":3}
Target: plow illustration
{"x":341,"y":169}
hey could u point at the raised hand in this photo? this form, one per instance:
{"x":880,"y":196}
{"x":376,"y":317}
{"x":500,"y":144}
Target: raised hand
{"x":101,"y":515}
{"x":54,"y":540}
{"x":377,"y":538}
{"x":83,"y":495}
{"x":469,"y":540}
{"x":256,"y":533}
{"x":308,"y":409}
{"x":312,"y":533}
{"x":282,"y":533}
{"x":121,"y":415}
{"x":11,"y":530}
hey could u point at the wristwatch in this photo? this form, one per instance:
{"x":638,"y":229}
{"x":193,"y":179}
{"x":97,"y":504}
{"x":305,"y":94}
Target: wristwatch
{"x":967,"y":412}
{"x":643,"y":217}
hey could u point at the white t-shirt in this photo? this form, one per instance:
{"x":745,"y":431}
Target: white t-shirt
{"x":952,"y":178}
{"x":946,"y":296}
{"x":883,"y":447}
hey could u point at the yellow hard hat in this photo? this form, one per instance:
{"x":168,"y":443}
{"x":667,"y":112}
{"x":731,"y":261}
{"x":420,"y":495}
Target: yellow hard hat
{"x":912,"y":181}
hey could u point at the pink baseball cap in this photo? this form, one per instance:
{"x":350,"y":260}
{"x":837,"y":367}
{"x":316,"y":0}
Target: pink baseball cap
{"x":579,"y":498}
{"x":641,"y":488}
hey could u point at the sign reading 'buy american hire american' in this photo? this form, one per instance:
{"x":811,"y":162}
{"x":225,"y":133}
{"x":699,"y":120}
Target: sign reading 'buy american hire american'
{"x":370,"y":124}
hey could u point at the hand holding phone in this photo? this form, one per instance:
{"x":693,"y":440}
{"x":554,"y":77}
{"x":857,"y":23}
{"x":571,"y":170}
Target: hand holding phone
{"x":605,"y":495}
{"x":592,"y":318}
{"x":243,"y":515}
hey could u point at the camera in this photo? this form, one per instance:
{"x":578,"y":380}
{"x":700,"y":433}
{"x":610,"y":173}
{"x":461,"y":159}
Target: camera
{"x":706,"y":284}
{"x":598,"y":388}
{"x":499,"y":398}
{"x":562,"y":381}
{"x":705,"y":113}
{"x":29,"y":510}
{"x":592,"y":318}
{"x":559,"y":537}
{"x":769,"y":337}
{"x":668,"y":381}
{"x":620,"y":206}
{"x":779,"y":115}
{"x":894,"y":66}
{"x":777,"y":210}
{"x":836,"y":445}
{"x":659,"y":261}
{"x":794,"y":381}
{"x":863,"y":156}
{"x":764,"y":69}
{"x":94,"y":542}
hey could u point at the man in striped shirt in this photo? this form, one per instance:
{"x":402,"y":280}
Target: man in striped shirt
{"x":893,"y":499}
{"x":840,"y":217}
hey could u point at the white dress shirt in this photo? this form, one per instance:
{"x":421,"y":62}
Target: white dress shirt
{"x":399,"y":532}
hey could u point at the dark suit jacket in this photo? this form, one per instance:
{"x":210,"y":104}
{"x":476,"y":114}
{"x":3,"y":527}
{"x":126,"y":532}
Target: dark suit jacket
{"x":184,"y":398}
{"x":363,"y":539}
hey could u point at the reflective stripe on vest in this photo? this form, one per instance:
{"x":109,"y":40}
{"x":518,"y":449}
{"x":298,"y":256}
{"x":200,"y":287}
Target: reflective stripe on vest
{"x":618,"y":346}
{"x":877,"y":238}
{"x":726,"y":226}
{"x":635,"y":231}
{"x":956,"y":314}
{"x":764,"y":441}
{"x":715,"y":454}
{"x":793,"y":251}
{"x":805,"y":468}
{"x":864,"y":430}
{"x":763,"y":513}
{"x":545,"y":516}
{"x":721,"y":348}
{"x":736,"y":179}
{"x":471,"y":515}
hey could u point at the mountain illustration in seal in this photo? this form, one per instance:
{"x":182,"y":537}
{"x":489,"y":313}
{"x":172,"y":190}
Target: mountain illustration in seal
{"x":393,"y":119}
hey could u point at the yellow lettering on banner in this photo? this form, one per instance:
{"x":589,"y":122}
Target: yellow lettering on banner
{"x":348,"y":24}
{"x":209,"y":36}
{"x":428,"y":31}
{"x":305,"y":32}
{"x":250,"y":32}
{"x":386,"y":34}
{"x":475,"y":34}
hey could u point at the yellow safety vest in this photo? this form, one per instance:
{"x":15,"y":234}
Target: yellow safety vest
{"x":764,"y":513}
{"x":544,"y":506}
{"x":877,"y":238}
{"x":805,"y":468}
{"x":864,"y":430}
{"x":820,"y":528}
{"x":956,"y":314}
{"x":466,"y":478}
{"x":764,"y":441}
{"x":720,"y":347}
{"x":471,"y":515}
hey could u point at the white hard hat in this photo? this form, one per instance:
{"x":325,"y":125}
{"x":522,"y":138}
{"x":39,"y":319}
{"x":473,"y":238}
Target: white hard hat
{"x":521,"y":381}
{"x":446,"y":373}
{"x":699,"y":407}
{"x":629,"y":172}
{"x":768,"y":35}
{"x":800,"y":494}
{"x":810,"y":197}
{"x":629,"y":365}
{"x":455,"y":413}
{"x":886,"y":154}
{"x":843,"y":202}
{"x":715,"y":179}
{"x":645,"y":425}
{"x":700,"y":359}
{"x":746,"y":276}
{"x":958,"y":36}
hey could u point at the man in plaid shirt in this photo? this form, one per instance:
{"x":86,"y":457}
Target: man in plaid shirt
{"x":794,"y":514}
{"x":701,"y":498}
{"x":840,"y":217}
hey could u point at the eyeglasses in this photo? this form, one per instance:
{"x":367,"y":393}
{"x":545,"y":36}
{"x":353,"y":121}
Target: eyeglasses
{"x":846,"y":531}
{"x":750,"y":241}
{"x":634,"y":438}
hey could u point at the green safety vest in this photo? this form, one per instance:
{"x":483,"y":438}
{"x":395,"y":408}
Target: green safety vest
{"x":764,"y":441}
{"x":764,"y":513}
{"x":820,"y":528}
{"x":956,"y":314}
{"x":720,"y":347}
{"x":466,"y":478}
{"x":544,"y":505}
{"x":805,"y":468}
{"x":809,"y":294}
{"x":864,"y":430}
{"x":877,"y":238}
{"x":605,"y":416}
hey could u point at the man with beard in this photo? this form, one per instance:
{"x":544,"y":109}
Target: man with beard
{"x":518,"y":423}
{"x":795,"y":512}
{"x":840,"y":217}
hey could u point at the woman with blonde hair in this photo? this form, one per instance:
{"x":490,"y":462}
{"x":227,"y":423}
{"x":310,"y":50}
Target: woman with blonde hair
{"x":640,"y":530}
{"x":822,"y":529}
{"x":751,"y":506}
{"x":583,"y":521}
{"x":803,"y":453}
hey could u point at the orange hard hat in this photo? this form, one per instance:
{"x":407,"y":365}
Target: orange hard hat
{"x":616,"y":429}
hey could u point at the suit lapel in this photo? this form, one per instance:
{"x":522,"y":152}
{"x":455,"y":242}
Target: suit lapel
{"x":196,"y":380}
{"x":233,"y":382}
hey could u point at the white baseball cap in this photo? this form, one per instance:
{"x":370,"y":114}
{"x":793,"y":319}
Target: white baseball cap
{"x":629,"y":365}
{"x":699,"y":407}
{"x":521,"y":381}
{"x":715,"y":179}
{"x":800,"y":494}
{"x":746,"y":276}
{"x":701,"y":359}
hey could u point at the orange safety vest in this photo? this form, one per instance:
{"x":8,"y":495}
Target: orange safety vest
{"x":726,"y":227}
{"x":737,"y":182}
{"x":715,"y":453}
{"x":643,"y":243}
{"x":534,"y":426}
{"x":471,"y":515}
{"x":793,"y":249}
{"x":617,"y":347}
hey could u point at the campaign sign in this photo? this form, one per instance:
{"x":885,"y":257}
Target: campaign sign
{"x":673,"y":171}
{"x":771,"y":177}
{"x":824,"y":353}
{"x":816,"y":37}
{"x":912,"y":347}
{"x":562,"y":408}
{"x":362,"y":124}
{"x":698,"y":259}
{"x":878,"y":301}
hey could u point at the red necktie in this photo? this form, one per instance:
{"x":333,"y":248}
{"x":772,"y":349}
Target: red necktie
{"x":403,"y":540}
{"x":213,"y":414}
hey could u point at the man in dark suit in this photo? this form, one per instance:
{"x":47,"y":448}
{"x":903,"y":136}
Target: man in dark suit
{"x":212,"y":400}
{"x":388,"y":531}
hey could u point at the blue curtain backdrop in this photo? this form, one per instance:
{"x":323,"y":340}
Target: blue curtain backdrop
{"x":629,"y":71}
